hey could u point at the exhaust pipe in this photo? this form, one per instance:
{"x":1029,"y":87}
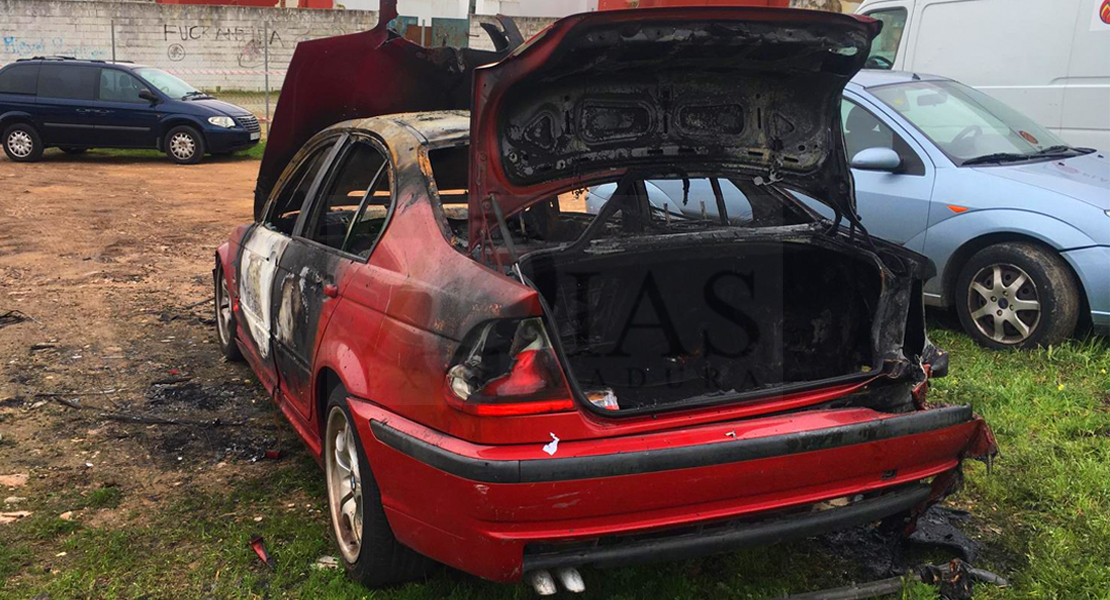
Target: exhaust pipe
{"x":571,"y":580}
{"x":542,"y":582}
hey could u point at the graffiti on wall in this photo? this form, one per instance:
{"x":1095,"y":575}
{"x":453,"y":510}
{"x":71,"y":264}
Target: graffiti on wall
{"x":248,"y":43}
{"x":25,"y":47}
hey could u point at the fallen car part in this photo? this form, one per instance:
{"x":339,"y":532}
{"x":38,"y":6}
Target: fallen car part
{"x":259,"y":546}
{"x":954,"y":581}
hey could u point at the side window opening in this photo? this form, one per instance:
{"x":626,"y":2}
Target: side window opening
{"x":863,"y":130}
{"x":352,"y":211}
{"x":450,"y":170}
{"x":286,"y":206}
{"x":19,"y":79}
{"x":69,"y":82}
{"x":118,"y":86}
{"x":884,"y":50}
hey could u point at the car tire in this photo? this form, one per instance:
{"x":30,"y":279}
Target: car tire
{"x":370,"y":553}
{"x":184,"y":145}
{"x":74,"y":151}
{"x":22,"y":143}
{"x":226,"y":326}
{"x":1046,"y":309}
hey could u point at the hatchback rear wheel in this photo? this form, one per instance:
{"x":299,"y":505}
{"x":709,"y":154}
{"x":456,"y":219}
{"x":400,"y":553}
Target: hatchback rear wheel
{"x":370,"y":552}
{"x":22,"y":143}
{"x":1017,"y":295}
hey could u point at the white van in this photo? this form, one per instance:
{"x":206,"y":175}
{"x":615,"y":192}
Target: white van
{"x":1049,"y":59}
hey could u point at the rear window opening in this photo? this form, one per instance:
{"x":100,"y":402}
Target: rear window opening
{"x":672,"y":291}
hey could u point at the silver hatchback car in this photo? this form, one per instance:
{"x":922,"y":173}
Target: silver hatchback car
{"x":1016,"y":221}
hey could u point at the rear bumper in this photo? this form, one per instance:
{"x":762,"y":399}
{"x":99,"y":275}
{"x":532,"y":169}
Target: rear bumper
{"x":497,"y":511}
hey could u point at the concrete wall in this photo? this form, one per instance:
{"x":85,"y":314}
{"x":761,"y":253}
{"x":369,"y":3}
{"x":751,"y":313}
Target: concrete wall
{"x":209,"y":46}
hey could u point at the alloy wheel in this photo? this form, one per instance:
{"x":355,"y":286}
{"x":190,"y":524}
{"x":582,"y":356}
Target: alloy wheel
{"x":183,"y":146}
{"x":1003,"y":303}
{"x":344,"y":484}
{"x":223,"y":311}
{"x":20,"y":143}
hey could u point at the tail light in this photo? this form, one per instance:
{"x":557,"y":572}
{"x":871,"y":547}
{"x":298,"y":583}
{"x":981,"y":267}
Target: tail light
{"x":507,"y":367}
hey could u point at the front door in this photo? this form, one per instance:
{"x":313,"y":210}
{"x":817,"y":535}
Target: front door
{"x":65,"y":96}
{"x":262,"y":251}
{"x":125,"y":120}
{"x":892,"y":205}
{"x":312,"y":269}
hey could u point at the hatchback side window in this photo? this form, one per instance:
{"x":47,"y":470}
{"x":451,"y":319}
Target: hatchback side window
{"x":118,"y":86}
{"x":67,"y":82}
{"x":352,"y":212}
{"x":863,"y":130}
{"x":884,"y":50}
{"x":19,"y":79}
{"x":285,"y":208}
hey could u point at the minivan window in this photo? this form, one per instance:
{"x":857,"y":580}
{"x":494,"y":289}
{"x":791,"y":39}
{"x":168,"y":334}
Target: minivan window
{"x":885,"y":47}
{"x":19,"y":79}
{"x":168,"y":84}
{"x":120,"y":86}
{"x":69,"y":82}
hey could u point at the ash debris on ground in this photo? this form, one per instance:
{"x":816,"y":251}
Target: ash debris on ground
{"x":242,"y":417}
{"x":879,"y":553}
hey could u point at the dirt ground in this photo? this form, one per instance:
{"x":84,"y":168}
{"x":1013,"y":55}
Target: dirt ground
{"x":113,"y":378}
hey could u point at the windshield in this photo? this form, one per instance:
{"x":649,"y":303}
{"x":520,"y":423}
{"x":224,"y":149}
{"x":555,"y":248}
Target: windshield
{"x":964,"y":123}
{"x":170,"y":85}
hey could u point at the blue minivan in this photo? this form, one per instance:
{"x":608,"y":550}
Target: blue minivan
{"x":76,"y":105}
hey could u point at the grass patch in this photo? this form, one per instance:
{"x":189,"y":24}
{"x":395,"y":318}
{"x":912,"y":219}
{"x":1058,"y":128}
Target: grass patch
{"x":105,"y":497}
{"x":254,"y":152}
{"x":1043,"y":515}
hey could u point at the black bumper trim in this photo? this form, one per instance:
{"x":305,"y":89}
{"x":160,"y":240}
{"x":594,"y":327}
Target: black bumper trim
{"x":734,"y":536}
{"x":666,"y":459}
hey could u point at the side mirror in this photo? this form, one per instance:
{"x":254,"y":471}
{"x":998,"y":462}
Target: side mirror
{"x":149,"y":96}
{"x":877,"y":159}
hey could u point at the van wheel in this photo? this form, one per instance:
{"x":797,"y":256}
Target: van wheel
{"x":184,"y":145}
{"x":69,"y":150}
{"x":1017,"y":295}
{"x":22,"y":143}
{"x":370,"y":552}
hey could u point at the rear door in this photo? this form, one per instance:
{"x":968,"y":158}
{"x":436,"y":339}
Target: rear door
{"x":335,"y":236}
{"x":124,"y":119}
{"x":65,"y":96}
{"x":262,"y":250}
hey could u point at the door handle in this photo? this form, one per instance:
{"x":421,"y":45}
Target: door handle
{"x":331,"y":290}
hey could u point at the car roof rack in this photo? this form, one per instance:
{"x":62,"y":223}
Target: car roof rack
{"x":93,"y":60}
{"x":52,"y":57}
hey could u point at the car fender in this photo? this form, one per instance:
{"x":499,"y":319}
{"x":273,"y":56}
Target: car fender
{"x":335,"y":354}
{"x":946,"y":239}
{"x":17,"y":116}
{"x":173,"y":120}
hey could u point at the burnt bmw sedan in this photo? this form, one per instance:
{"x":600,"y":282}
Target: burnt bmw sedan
{"x":497,"y":380}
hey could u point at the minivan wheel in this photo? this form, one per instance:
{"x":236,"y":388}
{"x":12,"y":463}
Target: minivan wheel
{"x":370,"y":552}
{"x":22,"y":143}
{"x":1017,"y":295}
{"x":184,"y":145}
{"x":225,"y":317}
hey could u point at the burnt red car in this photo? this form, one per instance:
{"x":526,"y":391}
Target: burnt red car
{"x":495,"y":379}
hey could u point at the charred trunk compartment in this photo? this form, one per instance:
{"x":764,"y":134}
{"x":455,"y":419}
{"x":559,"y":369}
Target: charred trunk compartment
{"x":659,"y":328}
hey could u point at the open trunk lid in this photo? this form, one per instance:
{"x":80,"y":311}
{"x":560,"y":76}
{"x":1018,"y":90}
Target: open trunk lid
{"x":599,"y":94}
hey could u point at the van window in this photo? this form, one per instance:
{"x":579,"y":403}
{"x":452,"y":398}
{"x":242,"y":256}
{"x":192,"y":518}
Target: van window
{"x":118,"y":86}
{"x":70,"y":82}
{"x":19,"y":79}
{"x":885,"y":47}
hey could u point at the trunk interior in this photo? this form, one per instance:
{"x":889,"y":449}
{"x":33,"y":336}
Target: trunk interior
{"x":690,"y":323}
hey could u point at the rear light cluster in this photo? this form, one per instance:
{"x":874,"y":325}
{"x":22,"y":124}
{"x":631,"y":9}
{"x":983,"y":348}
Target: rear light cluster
{"x":507,"y":367}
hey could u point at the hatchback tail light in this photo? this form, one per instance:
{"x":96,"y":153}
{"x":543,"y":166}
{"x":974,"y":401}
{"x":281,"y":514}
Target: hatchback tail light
{"x":507,"y":367}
